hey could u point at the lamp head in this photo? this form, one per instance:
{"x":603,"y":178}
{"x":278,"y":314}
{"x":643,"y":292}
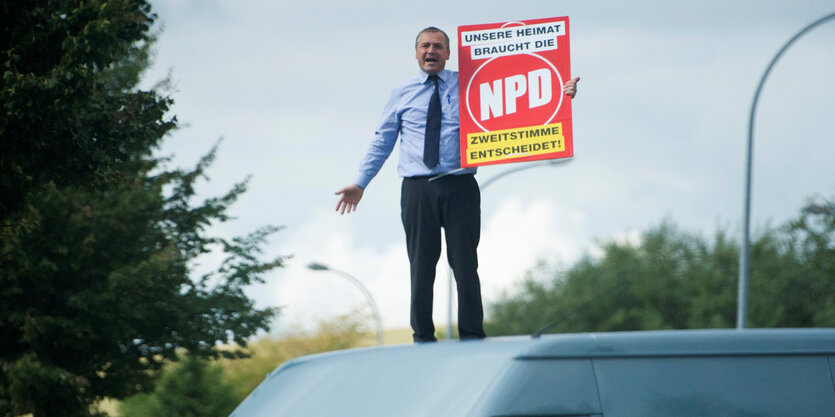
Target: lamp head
{"x":317,"y":266}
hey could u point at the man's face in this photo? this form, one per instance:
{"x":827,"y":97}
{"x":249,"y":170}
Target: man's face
{"x":431,"y":52}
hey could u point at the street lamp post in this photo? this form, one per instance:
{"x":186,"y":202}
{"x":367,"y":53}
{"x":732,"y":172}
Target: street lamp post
{"x":742,"y":290}
{"x":482,"y":187}
{"x":315,"y":266}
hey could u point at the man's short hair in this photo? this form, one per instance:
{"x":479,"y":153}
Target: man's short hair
{"x":432,"y":29}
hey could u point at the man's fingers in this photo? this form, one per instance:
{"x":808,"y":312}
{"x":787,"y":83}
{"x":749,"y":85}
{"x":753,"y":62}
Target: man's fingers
{"x":570,"y":87}
{"x":344,"y":206}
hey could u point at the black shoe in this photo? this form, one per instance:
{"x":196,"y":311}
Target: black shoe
{"x":424,"y":340}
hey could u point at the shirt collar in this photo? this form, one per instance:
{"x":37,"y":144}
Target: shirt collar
{"x":424,"y":77}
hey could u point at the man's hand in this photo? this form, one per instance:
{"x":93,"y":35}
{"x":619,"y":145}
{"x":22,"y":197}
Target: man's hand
{"x":570,"y":87}
{"x":351,"y":196}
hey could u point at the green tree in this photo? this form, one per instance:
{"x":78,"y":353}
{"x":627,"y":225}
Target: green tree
{"x":98,"y":295}
{"x":676,"y":280}
{"x":98,"y":241}
{"x":192,"y":388}
{"x":70,"y":113}
{"x":808,"y":297}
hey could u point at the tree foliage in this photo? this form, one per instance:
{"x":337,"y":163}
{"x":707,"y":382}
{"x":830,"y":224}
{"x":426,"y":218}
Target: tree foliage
{"x":342,"y":332}
{"x":192,"y":388}
{"x":70,"y":114}
{"x":200,"y":388}
{"x":811,"y":294}
{"x":98,"y":240}
{"x":673,"y":279}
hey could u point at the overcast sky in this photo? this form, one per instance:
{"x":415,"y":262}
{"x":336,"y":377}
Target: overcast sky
{"x":660,"y":124}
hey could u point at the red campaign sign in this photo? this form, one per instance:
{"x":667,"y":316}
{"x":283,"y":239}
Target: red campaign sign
{"x":510,"y":78}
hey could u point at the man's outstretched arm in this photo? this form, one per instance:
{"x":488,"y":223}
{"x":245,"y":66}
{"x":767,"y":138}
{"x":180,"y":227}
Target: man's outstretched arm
{"x":351,"y":196}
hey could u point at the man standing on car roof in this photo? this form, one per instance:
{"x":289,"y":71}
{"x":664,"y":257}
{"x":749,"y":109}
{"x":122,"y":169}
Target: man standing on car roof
{"x":436,"y":192}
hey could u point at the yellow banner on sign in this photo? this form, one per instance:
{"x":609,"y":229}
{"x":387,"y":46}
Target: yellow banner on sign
{"x":514,"y":143}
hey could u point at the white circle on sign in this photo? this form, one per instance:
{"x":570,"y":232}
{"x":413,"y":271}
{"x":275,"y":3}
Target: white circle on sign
{"x":472,"y":77}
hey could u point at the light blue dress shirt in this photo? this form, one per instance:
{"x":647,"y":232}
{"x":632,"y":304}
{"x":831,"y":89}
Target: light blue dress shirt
{"x":405,"y":116}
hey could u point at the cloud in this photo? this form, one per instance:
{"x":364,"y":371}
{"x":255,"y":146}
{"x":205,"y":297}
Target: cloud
{"x":521,"y":232}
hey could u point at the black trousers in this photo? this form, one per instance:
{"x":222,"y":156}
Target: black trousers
{"x":452,"y":202}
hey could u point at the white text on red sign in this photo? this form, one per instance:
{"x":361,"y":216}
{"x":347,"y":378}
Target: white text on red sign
{"x":537,"y":84}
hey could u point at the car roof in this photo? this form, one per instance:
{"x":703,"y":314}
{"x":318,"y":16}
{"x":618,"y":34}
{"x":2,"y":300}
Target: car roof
{"x":631,"y":343}
{"x":685,"y":342}
{"x":426,"y":379}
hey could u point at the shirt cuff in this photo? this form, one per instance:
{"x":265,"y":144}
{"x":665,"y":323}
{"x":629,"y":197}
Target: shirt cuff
{"x":362,"y":181}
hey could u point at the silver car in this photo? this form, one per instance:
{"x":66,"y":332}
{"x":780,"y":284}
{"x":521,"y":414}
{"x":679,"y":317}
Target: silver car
{"x":680,"y":373}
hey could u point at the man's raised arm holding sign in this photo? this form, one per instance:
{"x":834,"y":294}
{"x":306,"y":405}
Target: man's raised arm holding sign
{"x":423,"y":113}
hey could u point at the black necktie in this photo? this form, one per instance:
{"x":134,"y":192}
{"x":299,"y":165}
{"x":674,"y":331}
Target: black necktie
{"x":432,"y":143}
